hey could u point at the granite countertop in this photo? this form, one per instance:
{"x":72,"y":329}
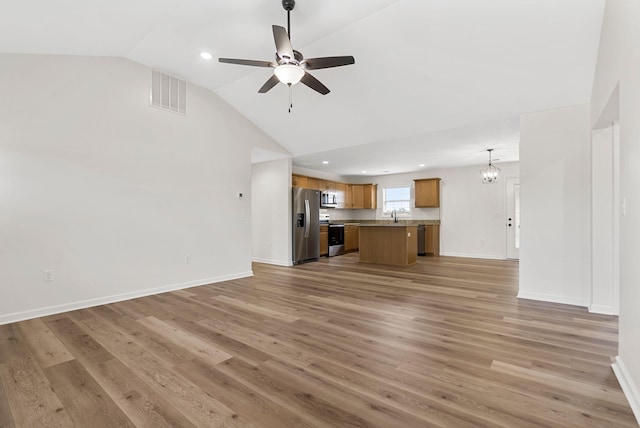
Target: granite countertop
{"x":388,"y":225}
{"x":388,"y":222}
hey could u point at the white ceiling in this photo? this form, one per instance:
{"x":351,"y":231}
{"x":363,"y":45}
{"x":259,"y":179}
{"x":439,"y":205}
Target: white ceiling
{"x":435,"y":81}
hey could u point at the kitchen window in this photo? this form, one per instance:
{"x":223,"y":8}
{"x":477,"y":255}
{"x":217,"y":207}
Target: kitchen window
{"x":398,"y":199}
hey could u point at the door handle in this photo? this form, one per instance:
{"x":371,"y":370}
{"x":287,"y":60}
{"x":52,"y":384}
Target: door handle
{"x":307,"y":211}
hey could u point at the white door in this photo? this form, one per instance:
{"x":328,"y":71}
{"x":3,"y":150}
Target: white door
{"x":513,"y":218}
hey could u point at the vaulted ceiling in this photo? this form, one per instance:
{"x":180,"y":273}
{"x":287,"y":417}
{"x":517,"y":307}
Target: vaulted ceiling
{"x":436,"y":82}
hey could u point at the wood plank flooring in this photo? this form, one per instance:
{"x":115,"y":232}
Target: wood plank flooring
{"x":442,"y":343}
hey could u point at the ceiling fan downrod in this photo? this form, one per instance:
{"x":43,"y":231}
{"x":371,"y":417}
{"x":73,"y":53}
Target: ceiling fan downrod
{"x":288,"y":5}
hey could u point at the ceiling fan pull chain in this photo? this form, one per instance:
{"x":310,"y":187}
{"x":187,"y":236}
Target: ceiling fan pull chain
{"x":290,"y":98}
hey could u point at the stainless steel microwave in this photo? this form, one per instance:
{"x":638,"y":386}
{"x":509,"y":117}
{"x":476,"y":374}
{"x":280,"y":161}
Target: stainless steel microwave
{"x":328,"y":200}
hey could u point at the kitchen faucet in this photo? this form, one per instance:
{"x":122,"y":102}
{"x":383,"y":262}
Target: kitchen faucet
{"x":394,"y":215}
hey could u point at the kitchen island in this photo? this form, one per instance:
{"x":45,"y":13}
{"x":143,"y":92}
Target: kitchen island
{"x":388,"y":244}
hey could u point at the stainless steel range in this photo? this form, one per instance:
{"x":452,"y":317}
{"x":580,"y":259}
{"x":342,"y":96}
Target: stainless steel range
{"x":336,"y":239}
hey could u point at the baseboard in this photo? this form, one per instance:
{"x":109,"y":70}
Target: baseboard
{"x":604,"y":310}
{"x":83,"y":304}
{"x":552,"y":298}
{"x":629,"y":388}
{"x":272,"y":262}
{"x":474,"y":256}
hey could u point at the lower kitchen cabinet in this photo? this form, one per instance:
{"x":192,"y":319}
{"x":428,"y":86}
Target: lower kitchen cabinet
{"x":324,"y":240}
{"x":431,"y":241}
{"x":351,"y":238}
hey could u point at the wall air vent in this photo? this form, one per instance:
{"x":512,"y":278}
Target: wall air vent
{"x":168,"y":93}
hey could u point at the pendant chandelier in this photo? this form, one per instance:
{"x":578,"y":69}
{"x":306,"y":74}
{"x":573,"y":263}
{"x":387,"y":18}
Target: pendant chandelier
{"x":490,"y":174}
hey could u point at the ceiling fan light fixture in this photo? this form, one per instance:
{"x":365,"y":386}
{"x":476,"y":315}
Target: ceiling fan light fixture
{"x":289,"y":74}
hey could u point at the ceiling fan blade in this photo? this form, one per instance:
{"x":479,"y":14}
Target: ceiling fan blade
{"x":327,"y":62}
{"x":283,"y":44}
{"x":273,"y":81}
{"x":250,"y":62}
{"x":314,"y":84}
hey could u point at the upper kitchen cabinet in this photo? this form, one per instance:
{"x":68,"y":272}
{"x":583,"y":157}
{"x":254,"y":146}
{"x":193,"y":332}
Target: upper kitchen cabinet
{"x":299,"y":181}
{"x":341,"y":195}
{"x":349,"y":196}
{"x":357,"y":196}
{"x":370,"y":196}
{"x":327,"y":186}
{"x":313,"y":183}
{"x":427,"y":193}
{"x":364,"y":196}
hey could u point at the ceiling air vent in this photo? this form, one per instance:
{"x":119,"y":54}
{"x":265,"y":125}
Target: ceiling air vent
{"x":168,"y":93}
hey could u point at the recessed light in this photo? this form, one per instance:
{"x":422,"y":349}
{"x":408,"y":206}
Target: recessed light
{"x":206,"y":55}
{"x":364,"y":172}
{"x":421,"y":164}
{"x":325,"y":162}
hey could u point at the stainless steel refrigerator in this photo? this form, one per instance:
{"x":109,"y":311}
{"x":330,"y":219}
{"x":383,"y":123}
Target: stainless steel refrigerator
{"x":306,"y":225}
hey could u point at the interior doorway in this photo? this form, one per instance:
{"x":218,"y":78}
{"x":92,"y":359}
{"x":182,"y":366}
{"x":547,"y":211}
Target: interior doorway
{"x":605,"y":220}
{"x":513,"y":218}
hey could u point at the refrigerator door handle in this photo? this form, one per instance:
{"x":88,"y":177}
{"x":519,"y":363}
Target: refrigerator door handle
{"x":307,"y":211}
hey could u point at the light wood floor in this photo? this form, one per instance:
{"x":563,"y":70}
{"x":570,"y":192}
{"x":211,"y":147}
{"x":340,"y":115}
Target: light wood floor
{"x":335,"y":343}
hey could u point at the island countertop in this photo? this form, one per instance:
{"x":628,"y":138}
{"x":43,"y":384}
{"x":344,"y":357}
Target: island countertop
{"x":389,"y":244}
{"x":386,"y":225}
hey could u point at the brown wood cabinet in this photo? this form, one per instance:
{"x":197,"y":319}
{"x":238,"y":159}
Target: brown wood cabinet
{"x":351,"y":238}
{"x":427,"y":193}
{"x":431,"y":240}
{"x":349,"y":196}
{"x":313,"y":183}
{"x":395,"y":245}
{"x":341,"y":195}
{"x":364,"y":196}
{"x":348,"y":199}
{"x":357,"y":195}
{"x":370,"y":196}
{"x":324,"y":240}
{"x":299,"y":181}
{"x":327,"y":186}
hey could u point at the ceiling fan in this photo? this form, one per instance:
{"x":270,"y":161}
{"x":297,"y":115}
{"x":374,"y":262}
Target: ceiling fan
{"x":290,"y":66}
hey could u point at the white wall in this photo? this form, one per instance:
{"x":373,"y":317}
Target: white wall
{"x":472,"y":215}
{"x":619,"y":66}
{"x":112,"y":194}
{"x":555,"y":203}
{"x":271,"y":212}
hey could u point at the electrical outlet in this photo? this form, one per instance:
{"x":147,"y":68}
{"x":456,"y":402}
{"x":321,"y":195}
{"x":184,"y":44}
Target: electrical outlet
{"x":187,"y":259}
{"x":47,"y":275}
